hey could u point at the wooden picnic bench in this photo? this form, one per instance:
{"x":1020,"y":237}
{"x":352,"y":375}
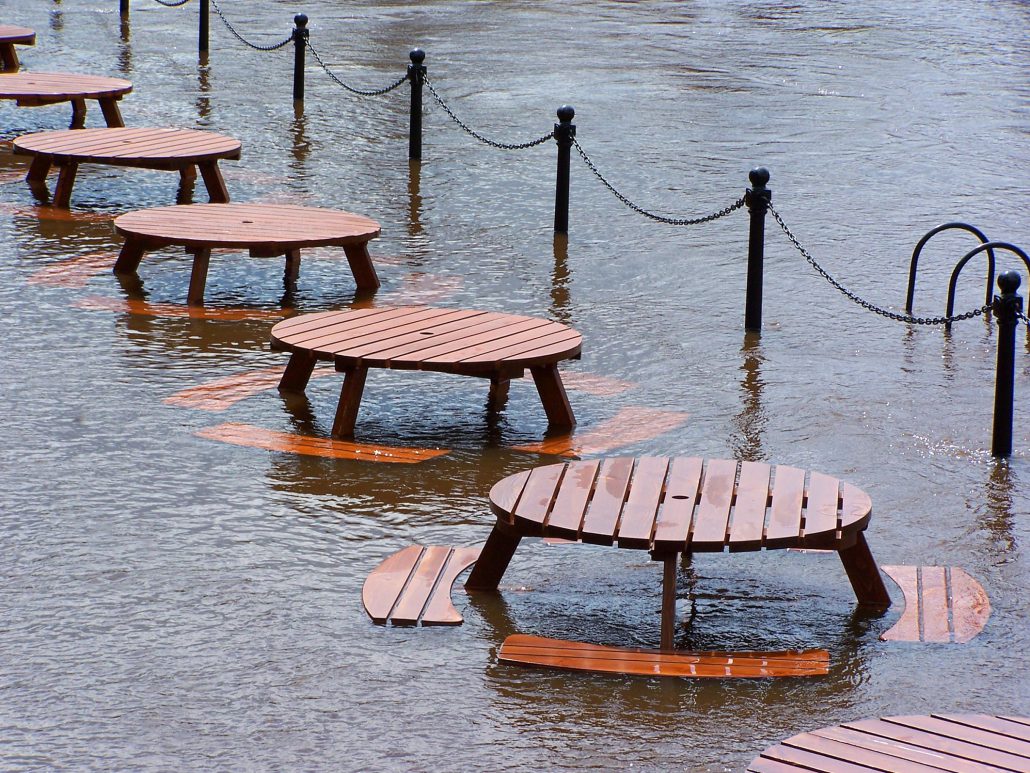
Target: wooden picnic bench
{"x":964,"y":743}
{"x":266,"y":230}
{"x":486,"y":344}
{"x":682,"y":505}
{"x":11,"y":36}
{"x":33,"y":89}
{"x":181,"y":150}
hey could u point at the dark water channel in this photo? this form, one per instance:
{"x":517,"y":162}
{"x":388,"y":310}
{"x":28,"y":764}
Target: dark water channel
{"x":172,"y":603}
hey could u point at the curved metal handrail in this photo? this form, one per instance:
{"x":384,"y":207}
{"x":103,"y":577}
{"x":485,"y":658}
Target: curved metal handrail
{"x":989,"y":247}
{"x":910,"y":296}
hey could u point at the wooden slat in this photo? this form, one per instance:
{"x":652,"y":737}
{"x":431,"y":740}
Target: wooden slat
{"x":384,"y":585}
{"x":837,"y":751}
{"x":440,"y":610}
{"x":991,"y":725}
{"x":942,"y":744}
{"x":810,"y":761}
{"x":971,"y":735}
{"x":554,"y":653}
{"x":785,"y":512}
{"x":821,"y":509}
{"x":904,"y":751}
{"x":129,"y":146}
{"x":748,"y":521}
{"x":673,"y":526}
{"x":934,"y":604}
{"x":60,"y":86}
{"x":970,"y":606}
{"x":638,"y":514}
{"x":907,"y":626}
{"x":711,"y":518}
{"x":535,"y":503}
{"x":571,"y":502}
{"x":421,"y":583}
{"x":856,"y":507}
{"x":606,"y":505}
{"x":506,"y":492}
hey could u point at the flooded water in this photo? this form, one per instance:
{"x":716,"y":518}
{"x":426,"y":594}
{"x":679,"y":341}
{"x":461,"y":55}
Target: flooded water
{"x":171,"y":602}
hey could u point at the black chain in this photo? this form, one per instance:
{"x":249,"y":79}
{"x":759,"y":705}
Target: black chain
{"x":351,"y":89}
{"x":1022,"y":318}
{"x":477,"y":135}
{"x":640,"y":210}
{"x":865,"y":304}
{"x":240,"y":37}
{"x":168,"y":4}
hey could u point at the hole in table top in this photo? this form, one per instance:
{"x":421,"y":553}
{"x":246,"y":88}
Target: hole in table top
{"x":680,"y":496}
{"x":247,"y":221}
{"x":426,"y":332}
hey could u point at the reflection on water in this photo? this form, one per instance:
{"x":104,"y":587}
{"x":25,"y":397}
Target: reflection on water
{"x":751,"y":420}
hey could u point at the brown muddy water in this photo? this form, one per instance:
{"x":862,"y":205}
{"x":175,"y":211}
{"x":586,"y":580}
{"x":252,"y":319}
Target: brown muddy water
{"x":170,"y":602}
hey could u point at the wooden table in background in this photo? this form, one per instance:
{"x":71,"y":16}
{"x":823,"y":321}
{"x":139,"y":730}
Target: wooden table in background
{"x":266,"y":230}
{"x":32,"y":89}
{"x":11,"y":36}
{"x":486,"y":344}
{"x":682,"y":505}
{"x":181,"y":150}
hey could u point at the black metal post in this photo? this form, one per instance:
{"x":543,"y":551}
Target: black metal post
{"x":1007,"y":307}
{"x":300,"y":41}
{"x":757,"y":198}
{"x":205,"y":24}
{"x":417,"y":76}
{"x":564,"y":132}
{"x":123,"y":7}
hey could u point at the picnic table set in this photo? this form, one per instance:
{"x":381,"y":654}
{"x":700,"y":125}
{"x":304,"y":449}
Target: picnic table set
{"x":670,"y":508}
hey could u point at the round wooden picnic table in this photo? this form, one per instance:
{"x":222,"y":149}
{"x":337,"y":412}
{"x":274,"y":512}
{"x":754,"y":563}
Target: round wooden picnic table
{"x":11,"y":36}
{"x":486,"y":344}
{"x":670,"y":506}
{"x":969,"y":743}
{"x":266,"y":230}
{"x":182,"y":150}
{"x":32,"y":89}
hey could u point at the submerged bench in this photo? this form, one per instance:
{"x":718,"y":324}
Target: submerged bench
{"x":181,"y":150}
{"x":414,"y":584}
{"x":578,"y":656}
{"x":942,"y":604}
{"x":11,"y":36}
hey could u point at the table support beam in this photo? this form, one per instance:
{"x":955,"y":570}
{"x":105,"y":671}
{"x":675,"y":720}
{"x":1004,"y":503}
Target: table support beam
{"x":669,"y":601}
{"x":552,"y":395}
{"x":292,"y":265}
{"x":361,"y":266}
{"x":112,"y":114}
{"x":350,"y":401}
{"x":498,"y":393}
{"x":216,"y":191}
{"x":493,"y":560}
{"x":198,"y":278}
{"x":298,"y":372}
{"x":38,"y":170}
{"x":864,"y":574}
{"x":65,"y":182}
{"x":78,"y":114}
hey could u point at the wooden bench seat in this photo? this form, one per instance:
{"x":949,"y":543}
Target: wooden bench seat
{"x":942,"y":604}
{"x":579,"y":656}
{"x":414,"y":584}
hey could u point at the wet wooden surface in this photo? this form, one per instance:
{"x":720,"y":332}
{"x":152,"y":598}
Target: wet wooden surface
{"x":11,"y":36}
{"x":32,"y":89}
{"x":414,"y":585}
{"x":942,"y":604}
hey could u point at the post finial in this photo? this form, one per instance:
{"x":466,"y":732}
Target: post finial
{"x":758,"y":176}
{"x":1009,"y":281}
{"x":301,"y":20}
{"x":566,"y":113}
{"x":417,"y":56}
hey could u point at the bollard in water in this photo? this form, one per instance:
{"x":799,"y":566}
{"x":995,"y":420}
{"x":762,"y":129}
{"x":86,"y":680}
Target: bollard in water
{"x":757,"y":198}
{"x":300,"y":40}
{"x":564,"y":132}
{"x":123,"y":7}
{"x":417,"y":76}
{"x":205,"y":24}
{"x":1007,"y":307}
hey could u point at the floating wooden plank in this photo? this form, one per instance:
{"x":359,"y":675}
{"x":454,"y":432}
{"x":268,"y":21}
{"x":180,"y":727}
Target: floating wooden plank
{"x":43,"y":212}
{"x":579,"y":656}
{"x":75,"y":272}
{"x":286,"y":442}
{"x":414,"y":585}
{"x":629,"y":425}
{"x":221,"y":394}
{"x":942,"y":604}
{"x":968,"y":743}
{"x":145,"y":309}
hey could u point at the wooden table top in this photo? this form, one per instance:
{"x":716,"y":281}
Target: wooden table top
{"x":22,"y":35}
{"x":122,"y":145}
{"x":428,"y":338}
{"x":971,"y":743}
{"x":254,"y":226}
{"x":60,"y":86}
{"x":672,"y":505}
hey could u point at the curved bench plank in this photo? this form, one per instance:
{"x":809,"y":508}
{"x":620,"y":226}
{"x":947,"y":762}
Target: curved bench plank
{"x":942,"y":604}
{"x":414,"y":584}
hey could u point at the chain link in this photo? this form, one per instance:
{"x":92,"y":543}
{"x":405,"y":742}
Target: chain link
{"x":477,"y":135}
{"x":239,"y":37}
{"x":172,"y":3}
{"x":640,"y":210}
{"x":1023,"y":318}
{"x":351,"y":89}
{"x":866,"y":304}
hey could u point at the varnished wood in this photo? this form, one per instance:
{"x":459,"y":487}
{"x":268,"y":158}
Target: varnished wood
{"x":198,"y":276}
{"x":864,"y":574}
{"x":492,"y":345}
{"x":10,"y":36}
{"x":578,"y":656}
{"x":350,"y":402}
{"x":298,"y":372}
{"x":668,"y":637}
{"x":963,"y":743}
{"x":942,"y":604}
{"x":65,"y":182}
{"x":493,"y":560}
{"x":130,"y":256}
{"x":414,"y":585}
{"x":32,"y":89}
{"x":216,"y":191}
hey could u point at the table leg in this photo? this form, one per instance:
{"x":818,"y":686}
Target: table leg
{"x":498,"y":393}
{"x":298,"y":372}
{"x":864,"y":574}
{"x":493,"y":560}
{"x":669,"y":601}
{"x":552,"y":395}
{"x":350,"y":401}
{"x":9,"y":57}
{"x":129,"y":257}
{"x":65,"y":181}
{"x":113,"y":116}
{"x":216,"y":190}
{"x":78,"y":114}
{"x":39,"y":169}
{"x":292,"y":265}
{"x":198,"y":278}
{"x":361,"y":266}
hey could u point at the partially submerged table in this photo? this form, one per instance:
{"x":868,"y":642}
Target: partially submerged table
{"x":486,"y":344}
{"x":32,"y":89}
{"x":670,"y":506}
{"x":11,"y":36}
{"x":266,"y":230}
{"x":181,"y":150}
